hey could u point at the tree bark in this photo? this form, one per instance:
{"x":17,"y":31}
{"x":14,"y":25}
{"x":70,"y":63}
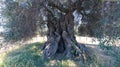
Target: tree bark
{"x":61,"y":38}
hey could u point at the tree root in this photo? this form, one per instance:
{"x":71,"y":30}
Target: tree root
{"x":72,"y":48}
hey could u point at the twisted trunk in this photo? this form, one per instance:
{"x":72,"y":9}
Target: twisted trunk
{"x":61,"y":39}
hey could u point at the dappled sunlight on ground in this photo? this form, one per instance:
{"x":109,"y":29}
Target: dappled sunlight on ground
{"x":117,"y":43}
{"x":30,"y":51}
{"x":12,"y":47}
{"x":2,"y":56}
{"x":38,"y":39}
{"x":87,"y":40}
{"x":80,"y":39}
{"x":31,"y":56}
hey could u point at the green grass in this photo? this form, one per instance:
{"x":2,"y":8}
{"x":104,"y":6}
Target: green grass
{"x":27,"y":56}
{"x":31,"y":56}
{"x":115,"y":53}
{"x":2,"y":56}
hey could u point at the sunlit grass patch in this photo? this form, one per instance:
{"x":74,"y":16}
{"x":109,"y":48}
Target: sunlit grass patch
{"x":61,"y":63}
{"x":31,"y":56}
{"x":28,"y":56}
{"x":2,"y":56}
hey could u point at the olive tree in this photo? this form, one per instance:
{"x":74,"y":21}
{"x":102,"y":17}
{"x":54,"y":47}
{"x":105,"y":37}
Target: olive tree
{"x":59,"y":18}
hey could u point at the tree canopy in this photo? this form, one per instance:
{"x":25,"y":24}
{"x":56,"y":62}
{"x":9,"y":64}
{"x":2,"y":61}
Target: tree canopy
{"x":26,"y":16}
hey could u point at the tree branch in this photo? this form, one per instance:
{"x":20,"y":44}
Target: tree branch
{"x":49,"y":10}
{"x":59,"y":7}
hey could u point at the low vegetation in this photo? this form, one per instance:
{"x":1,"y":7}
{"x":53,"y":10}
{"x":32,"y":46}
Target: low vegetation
{"x":114,"y":52}
{"x":30,"y":55}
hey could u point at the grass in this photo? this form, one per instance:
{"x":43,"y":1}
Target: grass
{"x":115,"y":53}
{"x":31,"y":56}
{"x":2,"y":56}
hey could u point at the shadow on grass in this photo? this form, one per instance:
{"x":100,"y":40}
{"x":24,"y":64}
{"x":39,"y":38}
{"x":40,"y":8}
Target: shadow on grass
{"x":31,"y":56}
{"x":114,"y":52}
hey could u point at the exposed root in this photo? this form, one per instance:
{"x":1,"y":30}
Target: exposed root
{"x":72,"y":48}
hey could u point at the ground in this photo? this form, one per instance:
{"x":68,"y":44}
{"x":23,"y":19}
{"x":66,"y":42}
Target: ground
{"x":29,"y":54}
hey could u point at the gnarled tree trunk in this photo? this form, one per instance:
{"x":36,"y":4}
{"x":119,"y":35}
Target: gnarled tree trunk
{"x":61,"y":38}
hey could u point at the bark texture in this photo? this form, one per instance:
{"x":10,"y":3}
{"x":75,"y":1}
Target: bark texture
{"x":61,"y":39}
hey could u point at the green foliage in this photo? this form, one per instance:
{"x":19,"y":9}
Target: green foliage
{"x":102,"y":46}
{"x":23,"y":19}
{"x":103,"y":20}
{"x":106,"y":43}
{"x":110,"y":31}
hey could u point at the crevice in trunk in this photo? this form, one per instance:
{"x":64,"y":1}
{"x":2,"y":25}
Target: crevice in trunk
{"x":61,"y":39}
{"x":61,"y":46}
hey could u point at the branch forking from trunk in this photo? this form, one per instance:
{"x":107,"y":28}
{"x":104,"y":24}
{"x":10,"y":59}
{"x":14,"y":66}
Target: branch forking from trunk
{"x":61,"y":37}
